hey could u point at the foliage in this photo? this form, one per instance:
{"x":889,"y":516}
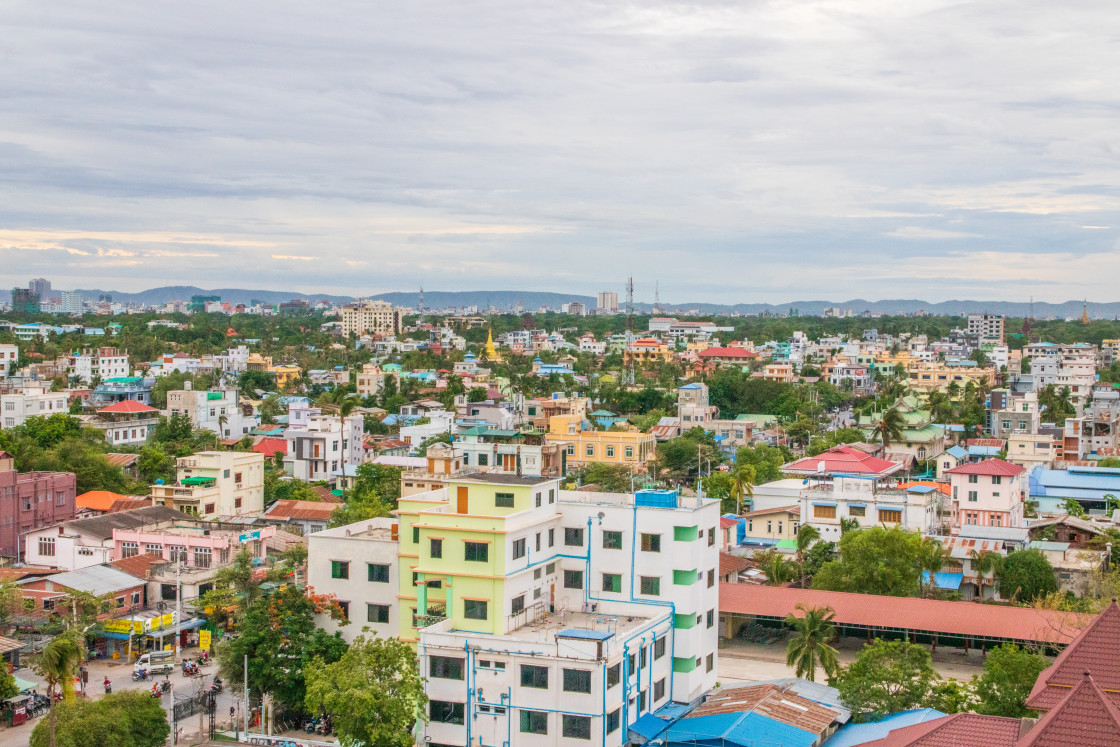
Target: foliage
{"x":889,"y":427}
{"x":877,"y":560}
{"x":1073,"y":507}
{"x":807,"y":535}
{"x":1025,"y":575}
{"x":234,"y":589}
{"x":373,"y":693}
{"x":58,"y":660}
{"x":816,"y":556}
{"x":931,"y":558}
{"x":689,"y":454}
{"x":8,"y":686}
{"x":777,"y":568}
{"x":810,"y":645}
{"x":1009,"y":675}
{"x":123,"y":719}
{"x":886,"y":677}
{"x":953,"y":696}
{"x":766,"y":460}
{"x":281,"y":639}
{"x":364,"y":500}
{"x":1056,"y":404}
{"x":835,"y":438}
{"x":439,"y":438}
{"x":611,"y":478}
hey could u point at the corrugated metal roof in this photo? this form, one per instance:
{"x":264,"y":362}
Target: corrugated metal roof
{"x":97,"y":580}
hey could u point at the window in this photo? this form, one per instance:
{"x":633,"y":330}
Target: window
{"x":643,"y":658}
{"x":538,"y":547}
{"x":629,"y":452}
{"x":538,"y":500}
{"x":890,"y":516}
{"x":610,"y":452}
{"x":612,"y":540}
{"x":416,"y":535}
{"x":517,"y":604}
{"x":551,"y":537}
{"x":996,"y":480}
{"x":573,"y":537}
{"x":552,"y":495}
{"x":658,"y":648}
{"x":577,"y":681}
{"x":519,"y":548}
{"x":651,"y":543}
{"x":612,"y":582}
{"x":824,"y":512}
{"x":651,"y":585}
{"x":973,"y":496}
{"x":339,"y":568}
{"x":202,"y":557}
{"x":576,"y":727}
{"x":444,"y":712}
{"x":208,"y":509}
{"x":711,"y":663}
{"x":377,"y":613}
{"x":711,"y":618}
{"x":377,"y":573}
{"x":711,"y":577}
{"x":857,"y":511}
{"x":659,"y":690}
{"x":445,"y":668}
{"x":503,"y":500}
{"x":590,"y":450}
{"x":345,"y":607}
{"x":46,"y":546}
{"x":153,"y":549}
{"x":571,"y":449}
{"x":573,"y":579}
{"x":534,"y":722}
{"x":534,"y":676}
{"x":550,"y":568}
{"x":613,"y":675}
{"x":613,"y":720}
{"x":477,"y":552}
{"x":436,"y":548}
{"x":474,"y":609}
{"x":483,"y":460}
{"x":711,"y":537}
{"x":973,"y":479}
{"x":642,"y":696}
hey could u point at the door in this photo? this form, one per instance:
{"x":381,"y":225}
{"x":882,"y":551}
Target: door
{"x":552,"y":597}
{"x":461,"y":499}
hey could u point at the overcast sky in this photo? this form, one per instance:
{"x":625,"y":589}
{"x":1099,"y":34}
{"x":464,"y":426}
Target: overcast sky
{"x":733,"y":151}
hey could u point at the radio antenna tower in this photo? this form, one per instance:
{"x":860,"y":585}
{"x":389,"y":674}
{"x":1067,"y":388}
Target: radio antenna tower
{"x":630,"y":304}
{"x":656,"y":297}
{"x":420,"y":305}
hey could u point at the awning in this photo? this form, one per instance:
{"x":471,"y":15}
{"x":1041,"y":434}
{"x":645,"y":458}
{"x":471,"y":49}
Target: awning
{"x":950,"y":581}
{"x":833,"y":505}
{"x":116,"y":636}
{"x":193,"y":622}
{"x":856,"y":505}
{"x":649,"y":726}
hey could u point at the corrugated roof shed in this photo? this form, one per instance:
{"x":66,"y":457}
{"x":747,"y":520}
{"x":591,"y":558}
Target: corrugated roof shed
{"x":97,"y":580}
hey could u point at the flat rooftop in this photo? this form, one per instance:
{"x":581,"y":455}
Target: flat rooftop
{"x":546,"y":627}
{"x":503,"y":479}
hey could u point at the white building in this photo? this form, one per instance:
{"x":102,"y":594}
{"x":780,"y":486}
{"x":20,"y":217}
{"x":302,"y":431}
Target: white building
{"x":357,"y":563}
{"x":439,"y":422}
{"x":323,"y":446}
{"x":9,"y":356}
{"x":370,"y":317}
{"x":870,"y":502}
{"x":34,"y":401}
{"x":216,"y":411}
{"x":987,"y":327}
{"x":101,"y":363}
{"x":607,"y":302}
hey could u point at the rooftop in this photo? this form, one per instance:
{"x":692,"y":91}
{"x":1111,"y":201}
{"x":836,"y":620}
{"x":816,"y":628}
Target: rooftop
{"x":1094,"y":651}
{"x":844,"y":459}
{"x":102,"y":527}
{"x":994,"y":467}
{"x":98,"y":580}
{"x":503,"y":479}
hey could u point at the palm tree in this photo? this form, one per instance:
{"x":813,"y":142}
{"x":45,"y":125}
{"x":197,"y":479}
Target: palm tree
{"x":889,"y":427}
{"x":953,"y":390}
{"x":986,"y":562}
{"x":806,"y":536}
{"x":778,"y":570}
{"x":940,"y":406}
{"x":810,"y":644}
{"x":222,"y":421}
{"x":931,"y":559}
{"x":743,"y":484}
{"x":56,"y":664}
{"x":848,"y":525}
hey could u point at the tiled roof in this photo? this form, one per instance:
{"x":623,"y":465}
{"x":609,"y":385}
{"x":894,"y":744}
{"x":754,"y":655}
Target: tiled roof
{"x":1087,"y":717}
{"x":127,"y":504}
{"x":325,"y":494}
{"x":907,"y":613}
{"x":726,"y":523}
{"x":270,"y":446}
{"x":996,"y":467}
{"x":843,"y":459}
{"x":794,"y":509}
{"x":1093,"y":651}
{"x":122,"y":460}
{"x":313,"y":510}
{"x":729,"y":563}
{"x":138,"y":565}
{"x":98,"y":500}
{"x":998,"y":443}
{"x":957,"y":730}
{"x":128,"y":406}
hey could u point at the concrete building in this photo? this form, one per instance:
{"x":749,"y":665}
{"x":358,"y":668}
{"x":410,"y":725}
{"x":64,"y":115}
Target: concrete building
{"x":630,"y":448}
{"x":36,"y":400}
{"x":370,"y":381}
{"x":693,"y":407}
{"x":215,"y":483}
{"x":79,"y":543}
{"x":9,"y":357}
{"x":986,"y":327}
{"x":556,"y":615}
{"x":126,"y":423}
{"x":869,"y":501}
{"x":100,"y":363}
{"x":991,"y":493}
{"x":607,"y":303}
{"x":218,"y":411}
{"x":358,"y":564}
{"x":510,"y":452}
{"x":30,"y":500}
{"x":323,"y":446}
{"x":370,"y":318}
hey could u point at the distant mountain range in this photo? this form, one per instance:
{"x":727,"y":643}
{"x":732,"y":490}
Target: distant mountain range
{"x":532,"y":300}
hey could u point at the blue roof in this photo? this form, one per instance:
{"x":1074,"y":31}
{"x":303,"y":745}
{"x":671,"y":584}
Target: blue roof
{"x":649,"y":726}
{"x":944,"y":580}
{"x":851,"y":735}
{"x":976,"y":450}
{"x":957,"y":452}
{"x":1075,"y":482}
{"x":691,"y":386}
{"x":921,"y":489}
{"x":585,"y":634}
{"x":735,"y":729}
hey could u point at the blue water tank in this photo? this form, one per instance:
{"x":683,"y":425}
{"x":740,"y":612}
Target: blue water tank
{"x":656,"y":498}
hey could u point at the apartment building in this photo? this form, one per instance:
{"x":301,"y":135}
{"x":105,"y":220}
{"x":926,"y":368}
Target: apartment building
{"x":210,"y":484}
{"x":36,"y":400}
{"x":126,"y":423}
{"x":370,"y":318}
{"x":630,"y":448}
{"x":1074,"y":370}
{"x":693,"y":407}
{"x":1097,"y":430}
{"x":511,"y":452}
{"x":869,"y":501}
{"x":927,"y":376}
{"x":323,"y":446}
{"x":9,"y":356}
{"x":70,"y":544}
{"x":647,"y":353}
{"x":991,"y":493}
{"x":555,"y":615}
{"x":1030,"y":450}
{"x":606,"y":302}
{"x":370,"y":381}
{"x":218,"y":411}
{"x":986,"y":327}
{"x":29,"y":501}
{"x":100,"y":363}
{"x":357,"y":563}
{"x":1012,"y":413}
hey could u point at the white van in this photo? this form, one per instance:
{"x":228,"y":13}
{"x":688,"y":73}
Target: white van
{"x":156,"y":662}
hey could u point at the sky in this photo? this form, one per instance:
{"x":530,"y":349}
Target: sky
{"x":741,"y":151}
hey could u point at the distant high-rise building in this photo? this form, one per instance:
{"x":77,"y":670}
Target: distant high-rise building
{"x":371,"y":317}
{"x":988,"y":327}
{"x":575,"y":308}
{"x":607,"y":302}
{"x":25,"y":301}
{"x":71,"y":302}
{"x":41,"y":287}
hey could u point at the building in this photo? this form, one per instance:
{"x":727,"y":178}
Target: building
{"x":769,"y":526}
{"x":111,"y":391}
{"x":991,"y":493}
{"x":371,"y":379}
{"x":358,"y":564}
{"x":98,"y":363}
{"x":126,"y":423}
{"x":36,"y":400}
{"x":299,"y":517}
{"x":218,"y":411}
{"x":1030,"y":450}
{"x":25,"y":301}
{"x":323,"y":446}
{"x":630,"y":448}
{"x":9,"y":359}
{"x":511,"y":452}
{"x":41,"y":287}
{"x":647,"y":353}
{"x":370,"y":318}
{"x":215,"y":483}
{"x":80,"y":543}
{"x":693,"y":407}
{"x":986,"y":327}
{"x":922,"y":439}
{"x":556,"y":615}
{"x":869,"y":501}
{"x":607,"y":303}
{"x":1090,"y":486}
{"x":925,"y":376}
{"x":29,"y":501}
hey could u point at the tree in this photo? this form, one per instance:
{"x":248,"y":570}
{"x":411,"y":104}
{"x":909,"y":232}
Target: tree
{"x":931,"y":558}
{"x":123,"y":719}
{"x":886,"y":677}
{"x":56,"y":664}
{"x":8,"y":686}
{"x":1009,"y":675}
{"x":234,"y":589}
{"x":766,"y":460}
{"x":986,"y":564}
{"x":877,"y":560}
{"x":1073,"y":507}
{"x":439,"y":438}
{"x":889,"y":427}
{"x":810,"y":645}
{"x":806,"y":536}
{"x":1026,"y":575}
{"x":742,"y":485}
{"x":953,"y":696}
{"x":374,"y":693}
{"x":778,"y":570}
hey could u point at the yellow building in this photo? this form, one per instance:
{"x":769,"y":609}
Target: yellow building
{"x":927,"y":376}
{"x":769,"y":526}
{"x":647,"y":352}
{"x":285,"y":374}
{"x":631,"y":448}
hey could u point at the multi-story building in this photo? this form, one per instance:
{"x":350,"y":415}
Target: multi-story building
{"x":922,"y":439}
{"x":370,"y":317}
{"x":215,"y":483}
{"x":630,"y":448}
{"x":29,"y":501}
{"x":98,"y":363}
{"x":41,"y":287}
{"x":991,"y":493}
{"x":70,"y":302}
{"x":869,"y":502}
{"x":986,"y":327}
{"x":9,"y":356}
{"x":1030,"y":450}
{"x":36,"y":400}
{"x":371,"y":379}
{"x":1097,"y":430}
{"x":218,"y":411}
{"x":511,"y":452}
{"x":325,"y":445}
{"x":1012,"y":412}
{"x":357,"y":563}
{"x":111,"y":391}
{"x":554,"y":615}
{"x":607,"y":302}
{"x":539,"y":411}
{"x":647,"y":353}
{"x":693,"y":407}
{"x":126,"y":423}
{"x":25,"y":301}
{"x":926,"y":376}
{"x":79,"y":543}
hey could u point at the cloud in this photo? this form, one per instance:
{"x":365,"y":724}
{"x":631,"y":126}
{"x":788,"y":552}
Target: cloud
{"x":916,"y":232}
{"x":294,"y":258}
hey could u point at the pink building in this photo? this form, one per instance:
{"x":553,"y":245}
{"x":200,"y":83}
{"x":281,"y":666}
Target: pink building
{"x":990,"y":493}
{"x":198,"y":547}
{"x":29,"y":501}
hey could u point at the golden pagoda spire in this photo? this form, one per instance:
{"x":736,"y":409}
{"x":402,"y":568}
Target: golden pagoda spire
{"x":1085,"y":312}
{"x":491,"y":352}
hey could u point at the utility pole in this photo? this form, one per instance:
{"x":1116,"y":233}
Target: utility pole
{"x":245,"y":679}
{"x":178,"y":612}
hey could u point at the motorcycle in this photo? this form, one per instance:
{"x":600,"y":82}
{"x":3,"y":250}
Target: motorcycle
{"x":108,"y":686}
{"x":140,"y":674}
{"x":311,"y":726}
{"x":217,"y":686}
{"x":165,"y":686}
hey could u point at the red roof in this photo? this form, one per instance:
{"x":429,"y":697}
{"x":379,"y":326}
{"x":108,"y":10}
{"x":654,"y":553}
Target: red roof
{"x":725,"y":522}
{"x":128,"y":406}
{"x":727,"y":353}
{"x":996,"y":467}
{"x":315,"y":510}
{"x":998,"y":443}
{"x":1087,"y":717}
{"x":843,"y":459}
{"x":1093,"y":651}
{"x":907,"y":613}
{"x":270,"y":446}
{"x":729,"y":563}
{"x":958,"y":730}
